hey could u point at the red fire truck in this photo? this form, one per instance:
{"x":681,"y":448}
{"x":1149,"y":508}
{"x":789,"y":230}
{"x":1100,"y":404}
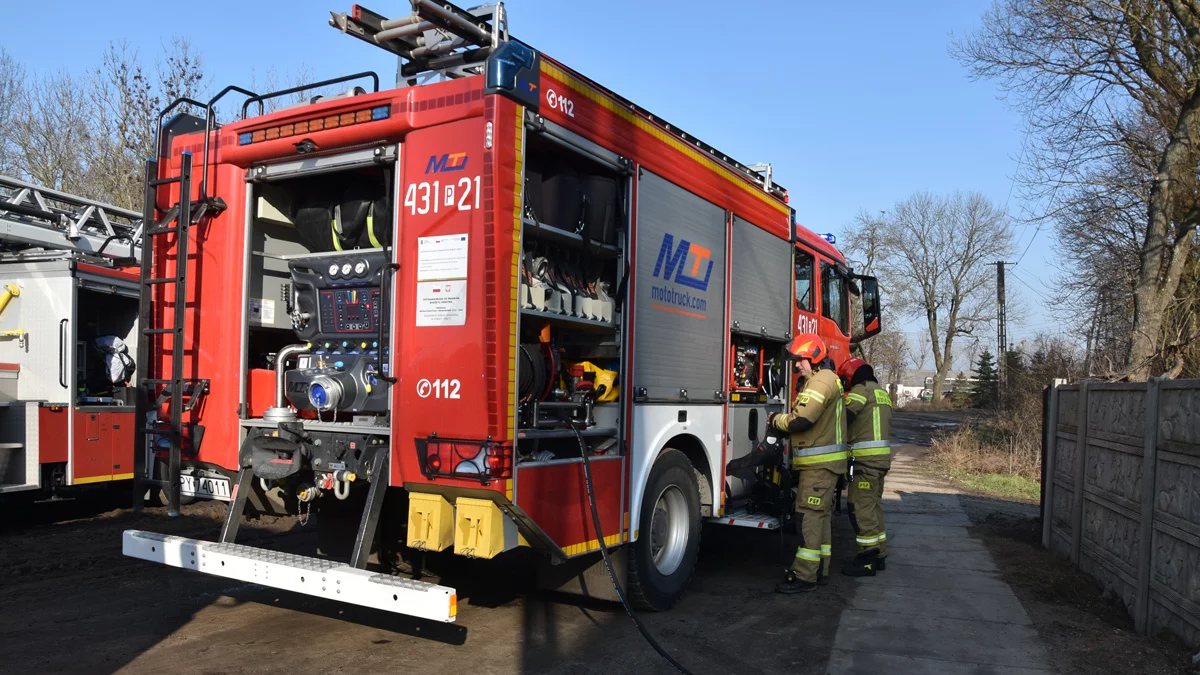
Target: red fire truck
{"x":68,"y":331}
{"x":428,"y":313}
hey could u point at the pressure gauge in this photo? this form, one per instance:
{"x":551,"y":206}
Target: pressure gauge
{"x":333,"y":270}
{"x":346,"y":269}
{"x":360,"y":267}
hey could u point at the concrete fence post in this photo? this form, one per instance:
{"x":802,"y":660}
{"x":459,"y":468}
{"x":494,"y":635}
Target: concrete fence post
{"x":1050,"y":428}
{"x":1141,"y":614}
{"x":1080,"y":472}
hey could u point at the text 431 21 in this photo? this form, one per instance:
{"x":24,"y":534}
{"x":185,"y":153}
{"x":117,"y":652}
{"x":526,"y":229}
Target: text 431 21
{"x":426,"y":197}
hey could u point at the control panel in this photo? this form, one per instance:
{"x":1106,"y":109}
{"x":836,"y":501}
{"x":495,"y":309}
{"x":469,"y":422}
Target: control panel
{"x":352,"y":310}
{"x":338,"y":309}
{"x":338,"y":296}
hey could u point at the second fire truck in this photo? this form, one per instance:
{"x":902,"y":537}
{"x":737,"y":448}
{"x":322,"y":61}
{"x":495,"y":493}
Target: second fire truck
{"x":427,"y":313}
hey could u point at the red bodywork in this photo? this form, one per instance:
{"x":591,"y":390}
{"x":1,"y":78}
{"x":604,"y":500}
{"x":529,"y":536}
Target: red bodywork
{"x":432,"y":121}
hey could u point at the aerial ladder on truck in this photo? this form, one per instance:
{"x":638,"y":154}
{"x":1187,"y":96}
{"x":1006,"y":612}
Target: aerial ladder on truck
{"x":65,"y":289}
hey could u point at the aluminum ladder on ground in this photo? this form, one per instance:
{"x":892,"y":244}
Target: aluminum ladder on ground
{"x":181,"y":394}
{"x":34,"y":217}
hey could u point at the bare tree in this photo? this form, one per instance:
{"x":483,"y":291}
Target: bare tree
{"x":52,"y":135}
{"x":180,"y":74}
{"x":273,"y":81}
{"x":125,"y":107}
{"x":12,"y":85}
{"x":889,"y":357}
{"x":935,"y":253}
{"x":1103,"y":83}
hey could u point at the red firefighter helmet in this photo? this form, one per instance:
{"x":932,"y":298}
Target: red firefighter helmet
{"x":849,"y":367}
{"x":807,"y":346}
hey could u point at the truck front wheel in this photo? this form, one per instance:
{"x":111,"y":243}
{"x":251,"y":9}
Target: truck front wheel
{"x":663,"y":558}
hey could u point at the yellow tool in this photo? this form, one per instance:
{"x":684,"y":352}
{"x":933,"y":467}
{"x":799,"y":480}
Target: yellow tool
{"x":10,"y":291}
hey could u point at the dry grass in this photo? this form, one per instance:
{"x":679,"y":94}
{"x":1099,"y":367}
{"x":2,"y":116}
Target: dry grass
{"x":928,"y":406}
{"x":988,"y":448}
{"x":1008,"y":444}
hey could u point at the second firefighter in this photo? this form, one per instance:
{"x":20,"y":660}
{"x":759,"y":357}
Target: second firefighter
{"x":869,"y":413}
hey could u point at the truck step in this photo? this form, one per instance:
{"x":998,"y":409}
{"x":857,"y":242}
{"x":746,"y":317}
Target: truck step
{"x":743,"y":518}
{"x":286,"y":571}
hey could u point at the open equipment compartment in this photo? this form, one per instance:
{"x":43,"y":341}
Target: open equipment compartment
{"x":318,"y":236}
{"x":573,"y":264}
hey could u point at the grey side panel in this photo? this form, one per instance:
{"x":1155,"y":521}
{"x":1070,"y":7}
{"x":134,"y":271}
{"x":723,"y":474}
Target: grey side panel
{"x":679,"y":334}
{"x":761,"y":281}
{"x":269,"y":276}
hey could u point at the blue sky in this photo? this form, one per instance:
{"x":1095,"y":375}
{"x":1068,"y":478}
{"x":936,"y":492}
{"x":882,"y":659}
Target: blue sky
{"x":857,"y":105}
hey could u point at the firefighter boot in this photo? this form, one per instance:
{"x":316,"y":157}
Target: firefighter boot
{"x":863,"y":565}
{"x":793,"y":584}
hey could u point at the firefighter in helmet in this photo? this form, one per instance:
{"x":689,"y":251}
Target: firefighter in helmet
{"x":869,"y":415}
{"x":817,"y":428}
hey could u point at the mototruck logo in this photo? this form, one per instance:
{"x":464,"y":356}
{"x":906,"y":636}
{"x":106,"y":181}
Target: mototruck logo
{"x":675,"y":260}
{"x":688,"y":265}
{"x":454,"y":161}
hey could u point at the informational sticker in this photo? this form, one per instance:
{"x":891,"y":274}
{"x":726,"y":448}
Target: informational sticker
{"x":442,"y":303}
{"x":442,"y":257}
{"x":262,"y":310}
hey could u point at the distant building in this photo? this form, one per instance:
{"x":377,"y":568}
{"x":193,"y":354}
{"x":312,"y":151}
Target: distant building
{"x":918,"y":384}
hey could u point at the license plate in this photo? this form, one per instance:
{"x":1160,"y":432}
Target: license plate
{"x":204,"y":487}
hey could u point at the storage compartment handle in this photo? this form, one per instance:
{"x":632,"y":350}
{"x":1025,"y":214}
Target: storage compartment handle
{"x":62,"y":353}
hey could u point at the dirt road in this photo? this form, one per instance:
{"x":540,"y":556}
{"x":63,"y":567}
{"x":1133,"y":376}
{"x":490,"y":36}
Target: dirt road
{"x":71,"y":603}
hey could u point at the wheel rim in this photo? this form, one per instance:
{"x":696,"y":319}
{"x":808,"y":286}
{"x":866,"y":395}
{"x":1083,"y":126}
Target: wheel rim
{"x":669,"y":530}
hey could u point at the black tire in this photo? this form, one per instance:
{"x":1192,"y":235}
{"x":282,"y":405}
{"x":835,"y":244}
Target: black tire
{"x":649,"y":587}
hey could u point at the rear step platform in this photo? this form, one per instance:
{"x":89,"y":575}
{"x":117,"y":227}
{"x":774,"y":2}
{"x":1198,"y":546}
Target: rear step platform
{"x":301,"y":574}
{"x":743,"y":518}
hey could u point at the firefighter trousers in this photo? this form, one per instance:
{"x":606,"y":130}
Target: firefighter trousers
{"x":866,"y":509}
{"x":814,"y":504}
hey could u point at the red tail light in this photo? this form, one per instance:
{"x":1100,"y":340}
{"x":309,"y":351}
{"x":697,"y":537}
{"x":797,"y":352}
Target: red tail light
{"x":434,"y":462}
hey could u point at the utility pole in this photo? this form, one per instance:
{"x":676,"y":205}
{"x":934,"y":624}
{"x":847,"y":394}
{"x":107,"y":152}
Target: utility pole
{"x":1001,"y":329}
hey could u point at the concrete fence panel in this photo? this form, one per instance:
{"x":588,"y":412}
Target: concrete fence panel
{"x":1123,"y":496}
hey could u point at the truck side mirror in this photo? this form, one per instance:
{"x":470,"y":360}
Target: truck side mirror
{"x":872,"y":312}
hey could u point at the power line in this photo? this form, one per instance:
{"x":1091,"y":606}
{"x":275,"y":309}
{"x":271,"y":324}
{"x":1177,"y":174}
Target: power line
{"x":1026,"y":285}
{"x":1062,"y":174}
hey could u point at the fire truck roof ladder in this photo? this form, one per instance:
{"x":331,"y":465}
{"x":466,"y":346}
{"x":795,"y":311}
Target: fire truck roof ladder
{"x":35,"y":218}
{"x":439,"y":39}
{"x":436,"y":39}
{"x":179,"y":393}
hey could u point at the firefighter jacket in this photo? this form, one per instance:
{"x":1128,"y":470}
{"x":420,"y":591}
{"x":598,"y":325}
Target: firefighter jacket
{"x":817,"y":424}
{"x":870,"y":433}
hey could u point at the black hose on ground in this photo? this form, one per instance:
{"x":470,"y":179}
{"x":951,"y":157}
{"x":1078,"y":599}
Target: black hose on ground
{"x":587,"y":474}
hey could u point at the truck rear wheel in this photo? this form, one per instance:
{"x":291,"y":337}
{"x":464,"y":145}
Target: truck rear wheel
{"x":663,"y":558}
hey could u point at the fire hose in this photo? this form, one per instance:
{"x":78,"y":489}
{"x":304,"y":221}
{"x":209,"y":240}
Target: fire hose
{"x":587,"y":474}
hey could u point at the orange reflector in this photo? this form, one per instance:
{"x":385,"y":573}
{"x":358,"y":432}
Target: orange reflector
{"x":381,"y":112}
{"x":454,"y":605}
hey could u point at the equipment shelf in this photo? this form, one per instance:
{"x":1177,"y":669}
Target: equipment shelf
{"x":543,"y":434}
{"x":558,"y":235}
{"x":567,"y":320}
